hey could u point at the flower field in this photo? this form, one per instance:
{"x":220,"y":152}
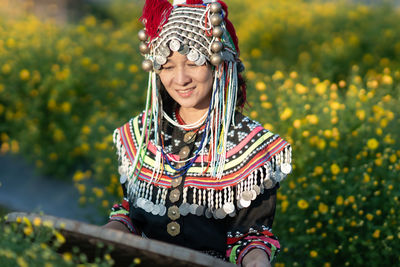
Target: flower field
{"x":324,"y":75}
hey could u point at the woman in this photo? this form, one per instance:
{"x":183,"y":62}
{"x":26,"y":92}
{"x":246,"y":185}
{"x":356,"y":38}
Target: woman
{"x":195,"y":172}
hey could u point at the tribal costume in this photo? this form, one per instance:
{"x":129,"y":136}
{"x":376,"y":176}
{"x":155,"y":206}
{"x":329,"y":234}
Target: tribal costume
{"x":209,"y":186}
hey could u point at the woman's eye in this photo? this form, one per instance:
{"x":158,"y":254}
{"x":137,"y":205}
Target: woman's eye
{"x":167,"y":67}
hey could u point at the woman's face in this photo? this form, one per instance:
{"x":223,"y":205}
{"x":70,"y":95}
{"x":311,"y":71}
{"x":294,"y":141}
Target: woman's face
{"x":188,"y":84}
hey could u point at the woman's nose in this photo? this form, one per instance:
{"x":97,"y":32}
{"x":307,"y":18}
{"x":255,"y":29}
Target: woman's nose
{"x":182,"y":77}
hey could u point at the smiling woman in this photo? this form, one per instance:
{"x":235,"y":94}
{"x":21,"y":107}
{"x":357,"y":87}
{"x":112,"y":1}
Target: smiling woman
{"x":195,"y":172}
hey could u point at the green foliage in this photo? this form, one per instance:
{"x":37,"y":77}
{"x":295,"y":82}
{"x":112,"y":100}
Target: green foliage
{"x":323,"y":75}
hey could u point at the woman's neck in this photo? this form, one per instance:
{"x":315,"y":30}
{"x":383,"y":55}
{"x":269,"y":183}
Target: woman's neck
{"x":191,"y":115}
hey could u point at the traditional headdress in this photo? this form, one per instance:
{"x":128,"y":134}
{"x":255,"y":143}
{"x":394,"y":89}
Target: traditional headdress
{"x":199,"y":29}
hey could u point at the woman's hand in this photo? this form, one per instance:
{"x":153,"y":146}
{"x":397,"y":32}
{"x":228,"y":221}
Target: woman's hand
{"x":116,"y":226}
{"x":256,"y":258}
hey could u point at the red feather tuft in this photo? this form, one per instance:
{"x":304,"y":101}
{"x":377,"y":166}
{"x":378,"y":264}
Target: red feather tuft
{"x":194,"y":2}
{"x":229,"y":26}
{"x":155,"y":15}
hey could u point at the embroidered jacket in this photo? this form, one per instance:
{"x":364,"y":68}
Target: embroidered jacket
{"x":224,"y":217}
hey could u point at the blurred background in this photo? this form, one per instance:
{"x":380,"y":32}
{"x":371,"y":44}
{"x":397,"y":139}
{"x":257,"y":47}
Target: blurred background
{"x":323,"y":74}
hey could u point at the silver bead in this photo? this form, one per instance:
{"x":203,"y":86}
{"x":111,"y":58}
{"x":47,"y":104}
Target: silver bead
{"x":217,"y":31}
{"x":216,"y":19}
{"x":144,"y":49}
{"x":216,"y":46}
{"x":216,"y":59}
{"x":147,"y":65}
{"x":142,"y":35}
{"x":215,"y":7}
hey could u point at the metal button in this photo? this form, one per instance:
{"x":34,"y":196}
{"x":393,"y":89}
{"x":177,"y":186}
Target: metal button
{"x":173,"y":228}
{"x":176,"y":181}
{"x":179,"y":165}
{"x":184,"y":153}
{"x":189,"y":137}
{"x":174,"y":195}
{"x":173,"y":212}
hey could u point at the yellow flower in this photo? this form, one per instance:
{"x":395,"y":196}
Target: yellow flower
{"x":133,"y":68}
{"x":86,"y":129}
{"x":60,"y":238}
{"x":323,"y":208}
{"x":58,"y":135}
{"x":312,"y":119}
{"x":137,"y":261}
{"x":297,"y":124}
{"x":301,"y":89}
{"x":339,"y":200}
{"x":21,"y":262}
{"x":66,"y":107}
{"x":284,"y":205}
{"x":6,"y":68}
{"x":376,"y":233}
{"x":67,"y":256}
{"x":320,"y":88}
{"x":278,"y":75}
{"x":372,"y":143}
{"x":256,"y":53}
{"x":51,"y":105}
{"x":253,"y":114}
{"x":260,"y":86}
{"x":24,"y":75}
{"x":335,"y":169}
{"x":37,"y":221}
{"x":318,"y":170}
{"x":369,"y":216}
{"x":286,"y":114}
{"x":28,"y":230}
{"x":313,"y":254}
{"x":302,"y":204}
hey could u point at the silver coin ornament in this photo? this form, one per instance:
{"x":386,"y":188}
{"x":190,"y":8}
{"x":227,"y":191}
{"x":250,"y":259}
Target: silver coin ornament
{"x":253,"y":194}
{"x":163,"y":210}
{"x":208,"y":213}
{"x":268,"y":183}
{"x":216,"y":59}
{"x":193,"y":55}
{"x":216,"y":19}
{"x":216,"y":46}
{"x":201,"y":60}
{"x":200,"y":210}
{"x":244,"y":203}
{"x":286,"y":168}
{"x":217,"y":31}
{"x":215,"y":7}
{"x":257,"y":189}
{"x":228,"y":207}
{"x":184,"y":49}
{"x":246,"y":195}
{"x":147,"y":65}
{"x":142,"y":35}
{"x":184,"y":208}
{"x":156,"y":210}
{"x":164,"y":51}
{"x":193,"y":208}
{"x":161,"y":60}
{"x":174,"y":45}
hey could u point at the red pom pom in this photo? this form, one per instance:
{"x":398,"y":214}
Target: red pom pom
{"x":155,"y":15}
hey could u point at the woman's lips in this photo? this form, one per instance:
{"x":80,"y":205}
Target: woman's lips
{"x":185,"y":92}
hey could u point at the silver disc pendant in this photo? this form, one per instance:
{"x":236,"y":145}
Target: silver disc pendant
{"x":244,"y":203}
{"x":184,"y":208}
{"x":163,"y":210}
{"x":286,"y":168}
{"x":165,"y":51}
{"x":174,"y":45}
{"x":253,"y":193}
{"x":232,"y":214}
{"x":257,"y":189}
{"x":208,"y":213}
{"x":220,"y":213}
{"x":156,"y":210}
{"x":228,"y":207}
{"x":239,"y":205}
{"x":200,"y":210}
{"x":201,"y":60}
{"x":268,"y":183}
{"x":161,"y":60}
{"x":193,"y":208}
{"x":193,"y":55}
{"x":139,"y":202}
{"x":184,"y":49}
{"x":246,"y":195}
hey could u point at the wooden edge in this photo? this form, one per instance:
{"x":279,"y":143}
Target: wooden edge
{"x":128,"y":240}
